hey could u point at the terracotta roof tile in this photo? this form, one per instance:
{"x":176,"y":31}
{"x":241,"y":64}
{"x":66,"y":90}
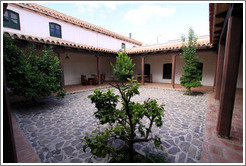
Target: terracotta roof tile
{"x":57,"y":42}
{"x":50,"y":12}
{"x":171,"y":46}
{"x":176,"y":45}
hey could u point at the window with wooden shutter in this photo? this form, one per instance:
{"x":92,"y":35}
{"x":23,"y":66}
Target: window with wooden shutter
{"x":55,"y":30}
{"x":11,"y":19}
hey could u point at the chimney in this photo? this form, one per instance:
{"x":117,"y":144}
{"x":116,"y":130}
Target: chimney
{"x":130,"y":35}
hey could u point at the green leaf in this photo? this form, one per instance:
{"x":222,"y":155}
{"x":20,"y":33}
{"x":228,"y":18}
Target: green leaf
{"x":30,"y":75}
{"x":192,"y":74}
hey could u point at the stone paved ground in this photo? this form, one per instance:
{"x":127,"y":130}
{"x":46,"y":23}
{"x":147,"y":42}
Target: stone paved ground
{"x":55,"y":128}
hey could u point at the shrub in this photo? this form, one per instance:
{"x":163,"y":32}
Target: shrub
{"x":29,"y":75}
{"x":192,"y":74}
{"x":123,"y":67}
{"x":124,"y":124}
{"x":61,"y":94}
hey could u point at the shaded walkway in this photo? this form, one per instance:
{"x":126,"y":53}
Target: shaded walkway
{"x":25,"y":152}
{"x":74,"y":88}
{"x":219,"y":150}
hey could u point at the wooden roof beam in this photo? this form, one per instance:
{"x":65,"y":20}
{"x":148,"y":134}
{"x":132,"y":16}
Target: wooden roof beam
{"x":219,"y":24}
{"x":228,"y":15}
{"x":221,"y":15}
{"x":218,"y":32}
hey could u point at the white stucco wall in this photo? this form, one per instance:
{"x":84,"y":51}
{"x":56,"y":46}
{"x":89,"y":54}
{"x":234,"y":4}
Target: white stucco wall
{"x":106,"y":67}
{"x":137,"y":69}
{"x":76,"y":65}
{"x":34,"y":24}
{"x":156,"y":67}
{"x":209,"y":60}
{"x":86,"y":64}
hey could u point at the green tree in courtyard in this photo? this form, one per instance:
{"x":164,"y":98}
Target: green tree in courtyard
{"x":191,"y":77}
{"x":125,"y":124}
{"x":29,"y":75}
{"x":123,"y":68}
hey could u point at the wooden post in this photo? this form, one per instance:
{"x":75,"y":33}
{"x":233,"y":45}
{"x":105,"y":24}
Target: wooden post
{"x":173,"y":70}
{"x":142,"y":71}
{"x":230,"y":73}
{"x":9,"y":149}
{"x":5,"y":5}
{"x":215,"y":73}
{"x":220,"y":63}
{"x":59,"y":52}
{"x":62,"y":67}
{"x":99,"y":69}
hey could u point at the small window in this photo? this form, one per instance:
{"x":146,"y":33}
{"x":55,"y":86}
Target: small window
{"x":167,"y":71}
{"x":55,"y":30}
{"x":123,"y":45}
{"x":11,"y":19}
{"x":200,"y":67}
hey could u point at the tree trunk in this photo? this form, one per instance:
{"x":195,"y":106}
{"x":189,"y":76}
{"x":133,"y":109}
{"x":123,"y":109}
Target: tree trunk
{"x":34,"y":100}
{"x":131,"y":152}
{"x":189,"y":92}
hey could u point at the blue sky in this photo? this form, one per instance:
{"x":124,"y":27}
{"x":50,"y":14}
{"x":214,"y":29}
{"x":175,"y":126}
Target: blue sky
{"x":145,"y":20}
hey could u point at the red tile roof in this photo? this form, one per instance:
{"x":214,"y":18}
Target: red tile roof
{"x":171,"y":46}
{"x":176,"y":45}
{"x":58,"y":42}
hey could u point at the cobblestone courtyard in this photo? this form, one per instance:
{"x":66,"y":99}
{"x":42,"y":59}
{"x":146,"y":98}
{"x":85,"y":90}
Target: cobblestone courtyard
{"x":55,"y":129}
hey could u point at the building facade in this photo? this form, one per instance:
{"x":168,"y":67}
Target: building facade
{"x":38,"y":21}
{"x":86,"y":49}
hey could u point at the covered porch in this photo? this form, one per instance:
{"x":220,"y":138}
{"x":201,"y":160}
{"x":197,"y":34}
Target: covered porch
{"x":163,"y":63}
{"x":79,"y":87}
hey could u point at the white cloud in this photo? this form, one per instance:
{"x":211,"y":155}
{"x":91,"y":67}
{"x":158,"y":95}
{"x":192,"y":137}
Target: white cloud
{"x":110,"y":5}
{"x":147,"y":12}
{"x":86,"y":7}
{"x":90,"y":7}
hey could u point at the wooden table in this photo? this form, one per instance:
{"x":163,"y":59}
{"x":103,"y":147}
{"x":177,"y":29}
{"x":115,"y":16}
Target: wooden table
{"x":91,"y":79}
{"x":139,"y":77}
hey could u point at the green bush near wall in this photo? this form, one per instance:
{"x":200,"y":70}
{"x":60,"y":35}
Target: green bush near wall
{"x":29,"y":75}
